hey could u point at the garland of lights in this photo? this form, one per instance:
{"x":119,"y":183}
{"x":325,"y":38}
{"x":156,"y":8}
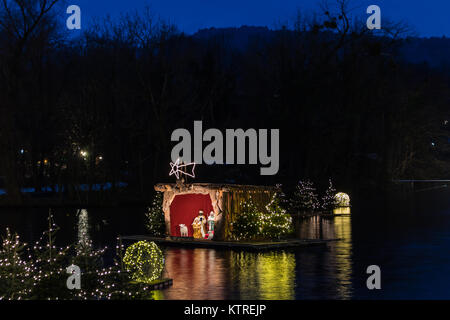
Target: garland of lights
{"x":144,"y":261}
{"x":255,"y":224}
{"x":36,"y":272}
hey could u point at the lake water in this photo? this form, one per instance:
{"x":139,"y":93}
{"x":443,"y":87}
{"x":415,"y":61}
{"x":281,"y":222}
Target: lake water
{"x":409,"y":240}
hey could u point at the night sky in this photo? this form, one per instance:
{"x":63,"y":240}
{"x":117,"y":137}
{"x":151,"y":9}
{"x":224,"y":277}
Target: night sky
{"x":429,"y":18}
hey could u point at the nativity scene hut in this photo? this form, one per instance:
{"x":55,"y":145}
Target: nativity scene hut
{"x":206,"y":210}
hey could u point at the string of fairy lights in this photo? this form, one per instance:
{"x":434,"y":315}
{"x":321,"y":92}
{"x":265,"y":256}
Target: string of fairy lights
{"x":253,"y":223}
{"x":36,"y":272}
{"x":144,"y":260}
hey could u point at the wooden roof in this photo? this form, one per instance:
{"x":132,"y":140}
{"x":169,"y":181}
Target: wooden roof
{"x":215,"y":186}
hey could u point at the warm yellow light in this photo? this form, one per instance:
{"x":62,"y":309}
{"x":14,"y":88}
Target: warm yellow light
{"x":272,"y":274}
{"x":342,"y":199}
{"x":342,"y":210}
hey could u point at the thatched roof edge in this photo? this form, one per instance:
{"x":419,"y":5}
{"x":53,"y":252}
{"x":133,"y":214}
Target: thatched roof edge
{"x":216,"y":186}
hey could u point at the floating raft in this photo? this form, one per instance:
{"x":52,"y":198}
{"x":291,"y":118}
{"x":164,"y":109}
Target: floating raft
{"x":160,"y":284}
{"x":332,"y":215}
{"x":250,"y":246}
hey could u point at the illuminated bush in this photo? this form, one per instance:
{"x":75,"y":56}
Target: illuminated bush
{"x":144,"y":261}
{"x":342,"y":199}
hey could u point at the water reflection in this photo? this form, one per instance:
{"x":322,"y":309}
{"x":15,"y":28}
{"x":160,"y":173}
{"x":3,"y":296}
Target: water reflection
{"x":315,"y":227}
{"x":325,"y":274}
{"x":342,"y":210}
{"x":266,"y":276}
{"x":202,"y":274}
{"x":158,"y":295}
{"x":343,"y":254}
{"x":84,"y":240}
{"x":198,"y":274}
{"x":411,"y":244}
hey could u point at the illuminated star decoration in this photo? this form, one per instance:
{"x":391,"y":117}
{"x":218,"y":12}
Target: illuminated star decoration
{"x":177,"y":169}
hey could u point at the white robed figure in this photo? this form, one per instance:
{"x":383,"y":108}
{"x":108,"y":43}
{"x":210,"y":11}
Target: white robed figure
{"x":211,"y":220}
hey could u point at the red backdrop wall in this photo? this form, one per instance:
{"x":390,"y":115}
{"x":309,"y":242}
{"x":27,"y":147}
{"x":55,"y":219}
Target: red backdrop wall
{"x":185,"y":208}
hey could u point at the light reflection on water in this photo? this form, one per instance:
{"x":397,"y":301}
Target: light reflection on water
{"x":207,"y":274}
{"x":197,"y":274}
{"x":202,"y":274}
{"x":343,"y":254}
{"x":410,"y":245}
{"x":267,"y":276}
{"x":84,"y":239}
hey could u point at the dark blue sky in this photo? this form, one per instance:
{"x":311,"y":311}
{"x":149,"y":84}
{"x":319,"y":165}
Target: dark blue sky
{"x":429,"y":18}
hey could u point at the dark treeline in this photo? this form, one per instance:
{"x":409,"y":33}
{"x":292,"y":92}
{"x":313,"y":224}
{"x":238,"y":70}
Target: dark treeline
{"x":102,"y":107}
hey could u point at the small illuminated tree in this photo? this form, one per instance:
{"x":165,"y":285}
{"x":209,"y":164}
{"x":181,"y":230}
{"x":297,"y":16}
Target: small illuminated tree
{"x":255,"y":224}
{"x":329,"y":199}
{"x":304,"y":198}
{"x":282,"y":199}
{"x":38,"y":272}
{"x":49,"y":265}
{"x":15,"y":272}
{"x":155,"y":217}
{"x":276,"y":222}
{"x":249,"y":223}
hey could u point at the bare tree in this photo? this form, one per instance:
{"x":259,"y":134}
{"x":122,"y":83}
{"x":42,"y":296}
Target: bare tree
{"x":25,"y":25}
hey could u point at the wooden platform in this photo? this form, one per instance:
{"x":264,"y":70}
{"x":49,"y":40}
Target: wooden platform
{"x":160,"y":284}
{"x":250,"y":246}
{"x":332,"y":215}
{"x":320,"y":214}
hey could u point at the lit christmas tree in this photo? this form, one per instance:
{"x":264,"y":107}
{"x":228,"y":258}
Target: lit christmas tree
{"x":277,"y":222}
{"x":155,"y":217}
{"x":15,"y":280}
{"x":39,"y":272}
{"x":305,"y":198}
{"x":256,"y":224}
{"x":49,"y":266}
{"x":328,"y":199}
{"x":249,"y":223}
{"x":283,"y":201}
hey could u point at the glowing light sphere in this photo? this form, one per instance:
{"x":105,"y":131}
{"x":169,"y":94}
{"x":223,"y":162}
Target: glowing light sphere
{"x":342,"y":199}
{"x":144,"y":261}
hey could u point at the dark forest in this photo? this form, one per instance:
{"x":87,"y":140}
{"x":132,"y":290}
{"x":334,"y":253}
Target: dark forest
{"x":100,"y":108}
